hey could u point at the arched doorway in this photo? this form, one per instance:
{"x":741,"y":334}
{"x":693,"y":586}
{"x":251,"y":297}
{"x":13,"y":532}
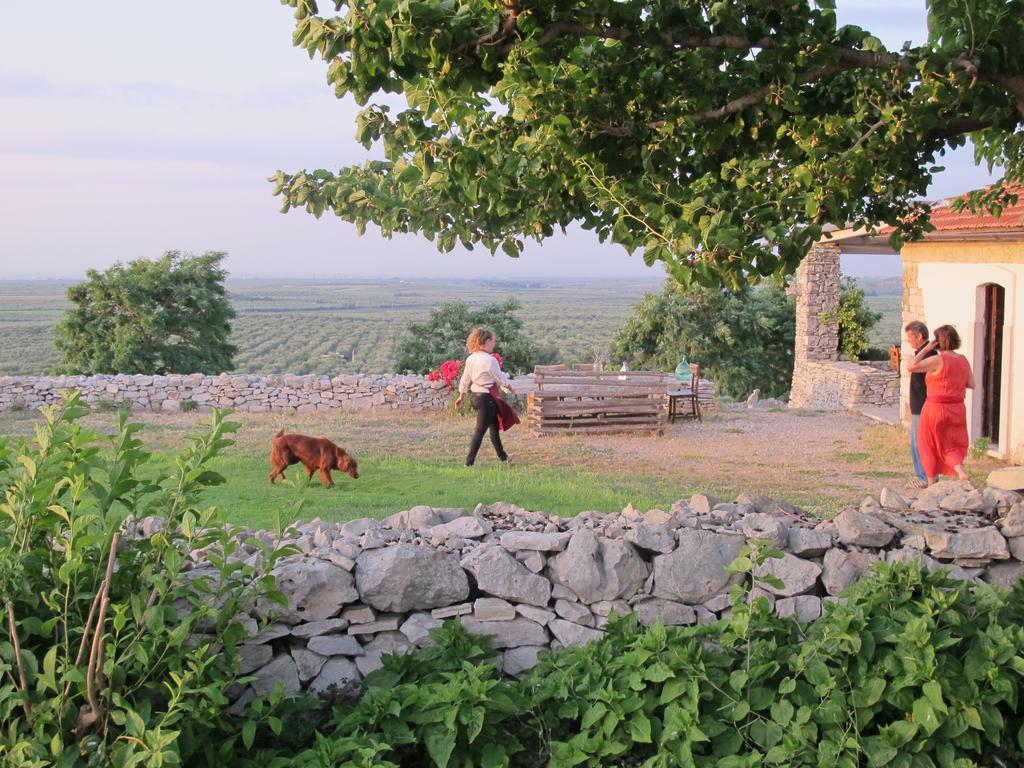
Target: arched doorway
{"x":993,"y":300}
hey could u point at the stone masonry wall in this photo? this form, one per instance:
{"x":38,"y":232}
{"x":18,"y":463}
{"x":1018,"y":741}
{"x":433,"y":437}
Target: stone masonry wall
{"x":531,"y":581}
{"x":843,"y":384}
{"x":820,"y":379}
{"x":243,"y":392}
{"x":816,"y":288}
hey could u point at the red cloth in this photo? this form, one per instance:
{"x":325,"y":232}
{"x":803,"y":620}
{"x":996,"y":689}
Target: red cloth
{"x":942,"y":428}
{"x":507,"y":417}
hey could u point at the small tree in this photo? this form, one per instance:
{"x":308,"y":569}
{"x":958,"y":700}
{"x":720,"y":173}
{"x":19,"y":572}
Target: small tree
{"x":855,"y":319}
{"x":442,"y":336}
{"x":171,"y":315}
{"x":741,"y":339}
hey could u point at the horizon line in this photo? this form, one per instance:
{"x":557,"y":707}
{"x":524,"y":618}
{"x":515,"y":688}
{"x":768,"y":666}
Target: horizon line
{"x":309,"y":278}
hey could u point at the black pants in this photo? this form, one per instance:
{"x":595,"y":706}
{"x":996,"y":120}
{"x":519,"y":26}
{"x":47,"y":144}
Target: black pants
{"x":486,"y":419}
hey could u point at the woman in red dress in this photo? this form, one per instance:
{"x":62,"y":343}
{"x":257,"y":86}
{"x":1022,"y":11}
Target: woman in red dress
{"x":942,"y":429}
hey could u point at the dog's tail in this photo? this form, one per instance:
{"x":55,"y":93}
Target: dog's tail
{"x":279,"y":432}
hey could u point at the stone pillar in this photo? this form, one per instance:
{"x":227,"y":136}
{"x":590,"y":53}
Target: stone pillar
{"x":817,"y":292}
{"x":816,"y":288}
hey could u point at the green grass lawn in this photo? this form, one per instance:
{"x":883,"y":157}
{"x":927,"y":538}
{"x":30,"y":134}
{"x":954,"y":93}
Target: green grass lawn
{"x":821,"y":462}
{"x":389,"y":483}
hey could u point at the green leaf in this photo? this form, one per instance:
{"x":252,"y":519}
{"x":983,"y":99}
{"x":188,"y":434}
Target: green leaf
{"x":869,"y":692}
{"x":249,"y":733}
{"x":782,"y":712}
{"x":440,"y":744}
{"x":924,"y":715}
{"x":594,"y":714}
{"x":877,"y":751}
{"x":933,"y":692}
{"x":658,"y":672}
{"x":639,"y":728}
{"x":493,"y":756}
{"x":738,"y":679}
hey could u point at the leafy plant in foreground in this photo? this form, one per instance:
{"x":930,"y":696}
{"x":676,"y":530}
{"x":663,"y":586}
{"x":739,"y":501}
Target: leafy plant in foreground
{"x":913,"y":670}
{"x":116,"y":651}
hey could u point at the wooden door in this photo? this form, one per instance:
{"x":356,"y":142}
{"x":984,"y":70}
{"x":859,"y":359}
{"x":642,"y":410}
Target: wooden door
{"x":992,"y":369}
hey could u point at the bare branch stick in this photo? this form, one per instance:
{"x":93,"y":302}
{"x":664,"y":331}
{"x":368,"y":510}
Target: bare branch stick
{"x":23,"y":682}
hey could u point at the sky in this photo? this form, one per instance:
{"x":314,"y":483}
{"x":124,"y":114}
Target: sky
{"x":130,"y":128}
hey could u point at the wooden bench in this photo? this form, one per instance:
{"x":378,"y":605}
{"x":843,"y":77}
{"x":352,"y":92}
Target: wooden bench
{"x":597,"y":401}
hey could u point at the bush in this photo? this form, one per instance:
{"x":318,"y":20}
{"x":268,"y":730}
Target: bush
{"x":743,"y":340}
{"x":113,"y":652}
{"x":169,"y":315}
{"x":855,"y":320}
{"x":914,"y":669}
{"x":424,"y":346}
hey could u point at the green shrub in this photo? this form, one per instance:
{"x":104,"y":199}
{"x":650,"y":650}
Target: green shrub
{"x":980,"y":447}
{"x":188,"y":406}
{"x":442,"y":336}
{"x":742,"y":339}
{"x":113,"y":653}
{"x":855,"y":319}
{"x":914,"y":670}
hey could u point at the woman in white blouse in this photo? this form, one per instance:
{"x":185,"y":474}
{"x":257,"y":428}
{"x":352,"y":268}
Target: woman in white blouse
{"x":482,"y":376}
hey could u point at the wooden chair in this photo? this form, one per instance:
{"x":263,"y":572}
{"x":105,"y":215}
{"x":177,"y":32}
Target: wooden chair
{"x":685,"y":403}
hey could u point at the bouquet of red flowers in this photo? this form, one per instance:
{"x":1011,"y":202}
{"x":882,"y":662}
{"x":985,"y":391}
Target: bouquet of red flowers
{"x":447,"y":372}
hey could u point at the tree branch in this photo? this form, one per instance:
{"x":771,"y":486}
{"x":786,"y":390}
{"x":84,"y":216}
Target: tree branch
{"x":22,"y":682}
{"x":556,"y":29}
{"x":1012,"y":83}
{"x":957,"y":127}
{"x":868,"y":134}
{"x":90,"y":713}
{"x":758,"y":95}
{"x":85,"y":636}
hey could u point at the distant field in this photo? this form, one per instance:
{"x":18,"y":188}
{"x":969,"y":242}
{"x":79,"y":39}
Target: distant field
{"x":344,"y":326}
{"x":888,"y":330}
{"x":335,"y":326}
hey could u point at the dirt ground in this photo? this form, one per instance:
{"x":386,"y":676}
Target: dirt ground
{"x":821,"y":461}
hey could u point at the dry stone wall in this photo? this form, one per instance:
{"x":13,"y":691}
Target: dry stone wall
{"x":243,"y":392}
{"x":845,"y":385}
{"x":820,"y":379}
{"x":531,"y":582}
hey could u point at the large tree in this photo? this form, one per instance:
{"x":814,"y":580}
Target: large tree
{"x":716,"y":136}
{"x":168,"y":315}
{"x":742,"y":339}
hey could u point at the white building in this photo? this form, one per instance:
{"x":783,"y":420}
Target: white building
{"x":968,"y":273}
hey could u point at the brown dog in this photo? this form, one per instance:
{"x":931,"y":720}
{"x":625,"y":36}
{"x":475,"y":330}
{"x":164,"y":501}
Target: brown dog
{"x":317,"y":453}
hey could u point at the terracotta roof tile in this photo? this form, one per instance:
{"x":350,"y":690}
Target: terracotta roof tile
{"x":944,"y":219}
